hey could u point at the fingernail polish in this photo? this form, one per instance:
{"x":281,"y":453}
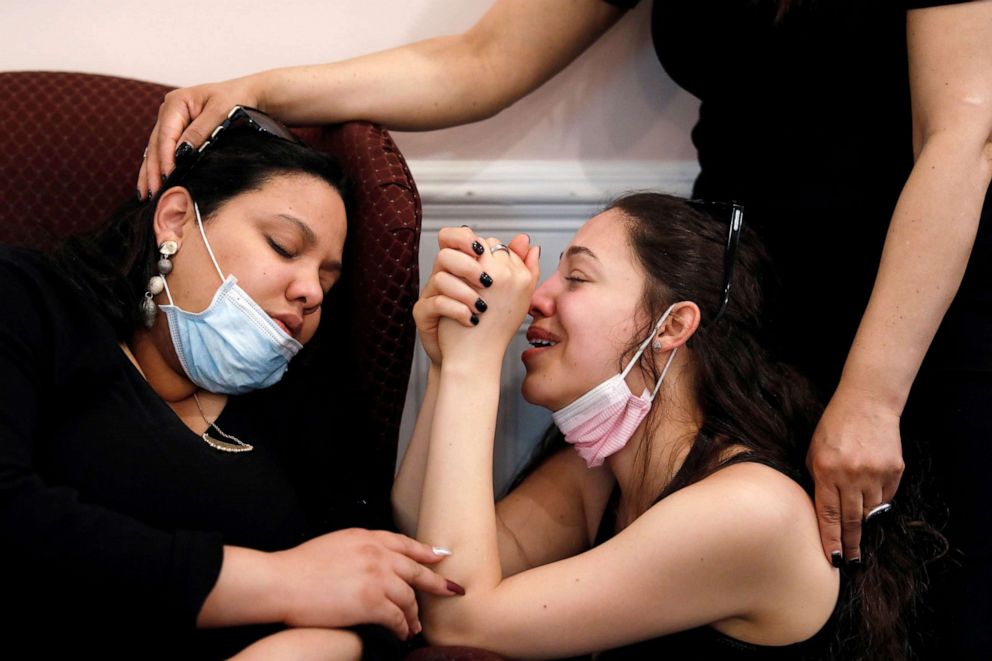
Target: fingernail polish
{"x":141,"y":198}
{"x":481,"y":306}
{"x":183,"y":150}
{"x":855,"y":561}
{"x":466,"y":226}
{"x":836,"y":558}
{"x":474,"y":319}
{"x":149,"y":194}
{"x":454,"y":587}
{"x":164,"y":177}
{"x":486,"y":280}
{"x":440,"y":550}
{"x":539,"y":252}
{"x":477,"y":248}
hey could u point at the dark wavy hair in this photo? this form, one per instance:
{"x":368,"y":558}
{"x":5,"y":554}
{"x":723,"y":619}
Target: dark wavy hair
{"x":112,"y":264}
{"x":749,"y":399}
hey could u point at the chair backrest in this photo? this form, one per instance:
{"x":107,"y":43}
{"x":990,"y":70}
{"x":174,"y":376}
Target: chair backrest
{"x":71,"y":148}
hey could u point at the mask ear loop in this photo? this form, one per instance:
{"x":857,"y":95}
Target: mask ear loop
{"x":199,"y":225}
{"x":644,"y":344}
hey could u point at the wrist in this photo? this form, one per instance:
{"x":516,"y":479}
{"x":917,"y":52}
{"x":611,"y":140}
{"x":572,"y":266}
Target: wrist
{"x":475,"y":367}
{"x":869,"y":393}
{"x":263,"y":88}
{"x":248,"y":591}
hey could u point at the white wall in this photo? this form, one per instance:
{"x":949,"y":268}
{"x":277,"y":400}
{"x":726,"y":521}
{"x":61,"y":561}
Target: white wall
{"x":614,"y":103}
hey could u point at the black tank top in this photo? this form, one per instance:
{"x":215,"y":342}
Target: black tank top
{"x":706,"y":642}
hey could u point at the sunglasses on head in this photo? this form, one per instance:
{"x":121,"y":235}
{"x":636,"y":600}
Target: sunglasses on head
{"x":240,"y":117}
{"x":733,"y":214}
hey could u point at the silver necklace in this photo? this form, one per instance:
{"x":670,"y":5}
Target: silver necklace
{"x":235,"y":444}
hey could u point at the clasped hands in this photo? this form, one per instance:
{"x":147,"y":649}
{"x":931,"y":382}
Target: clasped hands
{"x":476,"y":298}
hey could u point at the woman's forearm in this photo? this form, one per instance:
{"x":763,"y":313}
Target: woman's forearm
{"x":457,"y":507}
{"x":926,"y":252}
{"x":512,"y":50}
{"x":247,"y":591}
{"x":410,"y":478}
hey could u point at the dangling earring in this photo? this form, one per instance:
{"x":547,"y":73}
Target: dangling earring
{"x":656,"y":345}
{"x":157,"y":282}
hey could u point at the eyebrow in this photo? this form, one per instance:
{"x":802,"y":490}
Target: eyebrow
{"x":578,"y":250}
{"x":310,"y":239}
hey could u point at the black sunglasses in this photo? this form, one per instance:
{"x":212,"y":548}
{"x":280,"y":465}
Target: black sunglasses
{"x":733,"y":214}
{"x":240,"y":117}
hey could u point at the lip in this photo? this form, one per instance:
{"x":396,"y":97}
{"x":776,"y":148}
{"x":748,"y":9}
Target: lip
{"x":290,"y":323}
{"x":535,"y":333}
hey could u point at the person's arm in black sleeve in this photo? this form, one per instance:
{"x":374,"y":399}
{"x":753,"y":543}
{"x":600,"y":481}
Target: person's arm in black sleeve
{"x":59,"y":556}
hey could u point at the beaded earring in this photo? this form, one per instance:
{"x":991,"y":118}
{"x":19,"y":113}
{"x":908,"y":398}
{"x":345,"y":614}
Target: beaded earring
{"x":157,"y":282}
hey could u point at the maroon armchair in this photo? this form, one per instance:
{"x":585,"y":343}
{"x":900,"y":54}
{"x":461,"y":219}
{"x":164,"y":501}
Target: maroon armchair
{"x":70,"y":154}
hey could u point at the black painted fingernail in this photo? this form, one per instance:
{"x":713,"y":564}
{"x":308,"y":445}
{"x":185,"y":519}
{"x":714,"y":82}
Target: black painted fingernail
{"x":836,"y":558}
{"x":539,"y":252}
{"x":464,"y":225}
{"x":481,"y":306}
{"x":477,"y":248}
{"x":454,"y":587}
{"x":474,"y":319}
{"x":164,"y":177}
{"x":141,"y":198}
{"x":486,"y":280}
{"x":183,"y":150}
{"x":149,"y":194}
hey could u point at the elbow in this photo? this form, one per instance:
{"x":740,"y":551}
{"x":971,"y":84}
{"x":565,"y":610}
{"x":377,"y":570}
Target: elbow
{"x":448,"y":623}
{"x":965,"y":128}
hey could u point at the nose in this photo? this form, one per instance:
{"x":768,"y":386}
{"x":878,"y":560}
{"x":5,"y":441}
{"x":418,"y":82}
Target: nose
{"x":542,"y":303}
{"x":305,"y":288}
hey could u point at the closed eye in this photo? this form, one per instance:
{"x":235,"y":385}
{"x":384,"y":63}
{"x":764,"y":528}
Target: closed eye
{"x":279,"y":249}
{"x":572,"y":278}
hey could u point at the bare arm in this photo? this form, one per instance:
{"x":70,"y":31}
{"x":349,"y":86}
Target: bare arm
{"x":410,"y":477}
{"x":512,"y":50}
{"x":856,"y":452}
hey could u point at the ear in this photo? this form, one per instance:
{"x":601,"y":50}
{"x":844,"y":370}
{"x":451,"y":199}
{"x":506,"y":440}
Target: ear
{"x":678,"y":328}
{"x":174,"y":216}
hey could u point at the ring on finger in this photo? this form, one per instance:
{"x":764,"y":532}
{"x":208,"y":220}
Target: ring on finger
{"x":498,"y":247}
{"x":878,"y":509}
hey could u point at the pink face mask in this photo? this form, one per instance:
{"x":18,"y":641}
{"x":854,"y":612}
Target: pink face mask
{"x":601,"y":421}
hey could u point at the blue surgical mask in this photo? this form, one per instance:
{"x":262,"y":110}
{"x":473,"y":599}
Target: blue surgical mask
{"x":233,"y":346}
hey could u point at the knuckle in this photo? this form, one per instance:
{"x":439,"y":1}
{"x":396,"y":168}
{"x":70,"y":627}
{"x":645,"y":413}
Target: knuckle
{"x":851,"y":523}
{"x":830,"y":514}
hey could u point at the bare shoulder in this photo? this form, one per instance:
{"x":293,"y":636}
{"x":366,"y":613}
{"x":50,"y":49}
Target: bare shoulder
{"x":778,"y":532}
{"x":777,"y":560}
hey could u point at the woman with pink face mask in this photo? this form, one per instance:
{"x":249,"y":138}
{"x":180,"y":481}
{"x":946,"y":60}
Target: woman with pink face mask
{"x":680,"y":521}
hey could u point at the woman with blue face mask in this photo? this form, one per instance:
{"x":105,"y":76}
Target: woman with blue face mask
{"x":172,"y":482}
{"x":679,"y":524}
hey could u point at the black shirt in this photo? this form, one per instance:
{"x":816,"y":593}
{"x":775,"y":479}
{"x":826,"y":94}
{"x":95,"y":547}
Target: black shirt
{"x":113,"y":513}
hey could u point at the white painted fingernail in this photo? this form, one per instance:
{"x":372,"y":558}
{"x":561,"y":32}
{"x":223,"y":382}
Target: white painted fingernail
{"x":440,"y":550}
